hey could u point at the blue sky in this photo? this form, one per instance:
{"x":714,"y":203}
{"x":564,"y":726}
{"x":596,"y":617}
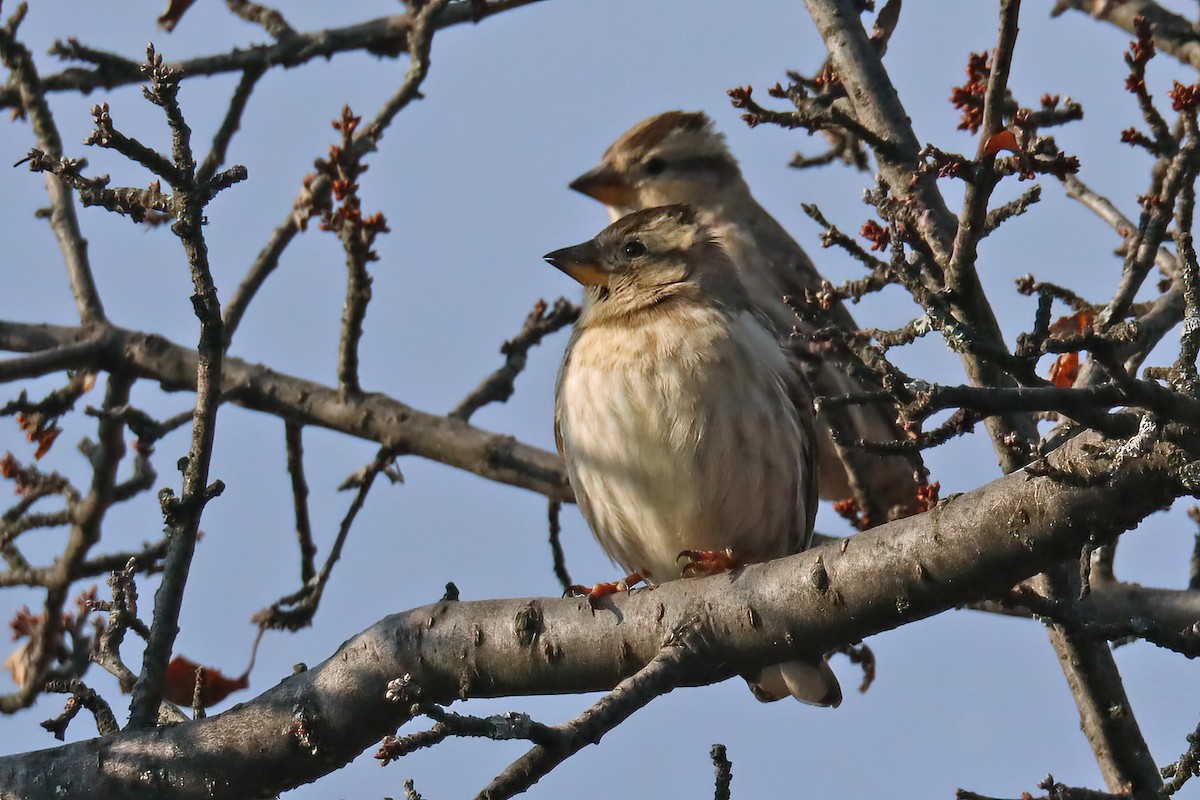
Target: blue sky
{"x":473,"y":183}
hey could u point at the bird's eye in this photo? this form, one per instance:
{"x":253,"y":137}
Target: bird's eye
{"x":655,"y":166}
{"x":633,"y":248}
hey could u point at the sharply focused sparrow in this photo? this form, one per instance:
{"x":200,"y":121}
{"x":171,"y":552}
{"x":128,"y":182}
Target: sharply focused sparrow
{"x":677,"y":157}
{"x":669,"y":382}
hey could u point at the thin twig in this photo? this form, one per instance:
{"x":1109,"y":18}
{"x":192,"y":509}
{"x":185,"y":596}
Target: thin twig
{"x":961,"y":276}
{"x":1187,"y":767}
{"x":293,"y":436}
{"x":556,"y":548}
{"x":147,"y":561}
{"x":1194,"y":572}
{"x":297,"y":610}
{"x":498,"y":727}
{"x":314,"y":197}
{"x":1151,"y":230}
{"x":1164,"y":314}
{"x":81,"y":697}
{"x":657,"y":678}
{"x":28,"y":93}
{"x":264,"y":264}
{"x":724,"y":772}
{"x":86,"y":517}
{"x":1183,"y":374}
{"x":229,"y":126}
{"x":269,"y":18}
{"x":499,"y":386}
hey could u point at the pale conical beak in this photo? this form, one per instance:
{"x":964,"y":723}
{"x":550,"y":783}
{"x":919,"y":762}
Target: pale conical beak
{"x":604,"y":184}
{"x":581,"y":262}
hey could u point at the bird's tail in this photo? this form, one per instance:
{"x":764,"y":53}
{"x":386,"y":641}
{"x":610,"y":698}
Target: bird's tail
{"x":811,"y":682}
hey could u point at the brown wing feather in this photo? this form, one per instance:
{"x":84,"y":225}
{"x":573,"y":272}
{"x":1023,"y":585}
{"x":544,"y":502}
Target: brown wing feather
{"x":802,"y":397}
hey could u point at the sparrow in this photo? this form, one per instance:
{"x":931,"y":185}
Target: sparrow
{"x":685,"y":426}
{"x":677,"y":157}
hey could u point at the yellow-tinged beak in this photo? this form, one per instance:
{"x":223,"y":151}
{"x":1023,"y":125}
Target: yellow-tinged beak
{"x":604,"y":184}
{"x":581,"y":262}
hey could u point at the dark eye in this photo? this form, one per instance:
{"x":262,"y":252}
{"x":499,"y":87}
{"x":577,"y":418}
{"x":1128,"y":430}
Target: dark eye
{"x":633,"y":248}
{"x":655,"y":166}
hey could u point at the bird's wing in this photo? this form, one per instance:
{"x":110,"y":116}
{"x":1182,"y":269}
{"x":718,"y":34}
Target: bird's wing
{"x":885,"y":481}
{"x":558,"y":383}
{"x":801,"y":395}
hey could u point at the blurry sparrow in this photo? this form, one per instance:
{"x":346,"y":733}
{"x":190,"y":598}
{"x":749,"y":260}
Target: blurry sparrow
{"x":677,"y":157}
{"x":669,"y":382}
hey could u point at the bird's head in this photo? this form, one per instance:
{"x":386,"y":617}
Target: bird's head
{"x":674,"y":157}
{"x":648,"y":257}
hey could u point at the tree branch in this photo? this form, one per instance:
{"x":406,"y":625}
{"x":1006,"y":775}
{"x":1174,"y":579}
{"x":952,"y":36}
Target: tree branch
{"x":877,"y":106}
{"x":968,"y":548}
{"x":373,"y":417}
{"x":664,"y":673}
{"x":183,"y":515}
{"x":1173,"y":33}
{"x":1105,"y":715}
{"x":27,"y":92}
{"x":385,"y":36}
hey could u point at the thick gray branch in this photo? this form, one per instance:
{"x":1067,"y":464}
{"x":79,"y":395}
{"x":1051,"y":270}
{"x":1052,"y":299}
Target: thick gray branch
{"x":968,"y":548}
{"x":1173,"y":33}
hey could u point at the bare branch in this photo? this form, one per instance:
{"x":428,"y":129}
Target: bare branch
{"x":264,"y":264}
{"x":385,"y":36}
{"x":1165,"y":313}
{"x":315,"y":195}
{"x":499,"y":386}
{"x":183,"y":514}
{"x":81,"y":697}
{"x":1186,"y":767}
{"x":1173,"y":33}
{"x":229,"y":126}
{"x":1054,"y":791}
{"x":665,"y":672}
{"x":1194,"y":577}
{"x":297,"y":609}
{"x":293,"y":434}
{"x":724,"y":772}
{"x":373,"y":417}
{"x":270,"y":19}
{"x":50,"y":360}
{"x":27,"y":92}
{"x":556,"y":549}
{"x":86,"y":517}
{"x":147,"y":561}
{"x":1106,"y":716}
{"x":1180,"y":170}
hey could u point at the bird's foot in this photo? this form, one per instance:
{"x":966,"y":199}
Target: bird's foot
{"x":707,"y":562}
{"x":599,"y":591}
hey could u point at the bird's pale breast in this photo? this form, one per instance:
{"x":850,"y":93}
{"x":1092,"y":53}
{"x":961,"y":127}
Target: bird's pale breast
{"x":680,"y":433}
